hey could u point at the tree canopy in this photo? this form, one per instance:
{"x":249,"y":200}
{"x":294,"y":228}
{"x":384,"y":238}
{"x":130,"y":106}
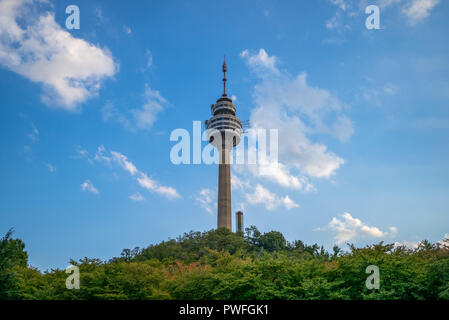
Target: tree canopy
{"x":219,"y":264}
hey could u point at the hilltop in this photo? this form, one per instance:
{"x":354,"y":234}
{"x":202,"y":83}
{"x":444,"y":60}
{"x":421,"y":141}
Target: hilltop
{"x":219,"y":264}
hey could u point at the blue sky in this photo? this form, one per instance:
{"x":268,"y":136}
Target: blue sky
{"x":362,"y":115}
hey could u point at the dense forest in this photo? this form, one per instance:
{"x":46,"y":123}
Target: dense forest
{"x":219,"y":264}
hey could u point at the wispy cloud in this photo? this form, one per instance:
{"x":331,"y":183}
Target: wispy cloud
{"x":152,"y":185}
{"x":127,"y":30}
{"x":81,"y":153}
{"x":141,"y":118}
{"x":149,"y":57}
{"x":146,"y":115}
{"x":390,"y":89}
{"x":88,"y":186}
{"x":122,"y":160}
{"x":50,"y":167}
{"x":137,"y":197}
{"x":207,"y":200}
{"x":418,"y":10}
{"x":375,"y":94}
{"x":34,"y":135}
{"x":414,"y":10}
{"x":109,"y":157}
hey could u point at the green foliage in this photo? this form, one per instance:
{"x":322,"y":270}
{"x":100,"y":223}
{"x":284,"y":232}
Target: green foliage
{"x":12,"y":256}
{"x":272,"y":241}
{"x":219,"y":264}
{"x":193,"y":246}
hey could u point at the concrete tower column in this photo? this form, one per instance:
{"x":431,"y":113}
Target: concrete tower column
{"x":224,"y":130}
{"x":224,"y":218}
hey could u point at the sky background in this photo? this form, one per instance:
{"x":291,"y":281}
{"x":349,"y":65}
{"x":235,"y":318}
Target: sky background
{"x":86,"y":116}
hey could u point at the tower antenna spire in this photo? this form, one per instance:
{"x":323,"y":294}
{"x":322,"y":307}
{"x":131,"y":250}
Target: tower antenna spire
{"x":225,"y":68}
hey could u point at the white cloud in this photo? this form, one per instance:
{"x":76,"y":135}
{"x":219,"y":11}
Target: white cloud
{"x":376,"y":93}
{"x":99,"y":15}
{"x":50,"y":167}
{"x":393,"y":230}
{"x":341,"y":4}
{"x":149,"y":58}
{"x":260,"y":61}
{"x":81,"y":152}
{"x":342,"y":128}
{"x":71,"y":69}
{"x":261,"y":195}
{"x":349,"y":228}
{"x":236,"y":183}
{"x":34,"y":135}
{"x":372,"y":96}
{"x":289,"y":203}
{"x":445,"y":241}
{"x":122,"y":160}
{"x":103,"y":155}
{"x":147,"y":114}
{"x":407,"y":244}
{"x":390,"y":89}
{"x":88,"y":186}
{"x":137,"y":197}
{"x":141,"y":118}
{"x":207,"y":200}
{"x":258,"y":194}
{"x":297,"y":109}
{"x":100,"y":155}
{"x":149,"y":61}
{"x":383,"y":4}
{"x":280,"y":174}
{"x":151,"y":185}
{"x":414,"y":10}
{"x":128,"y":30}
{"x":334,"y":22}
{"x":418,"y":10}
{"x":353,"y":7}
{"x":111,"y":113}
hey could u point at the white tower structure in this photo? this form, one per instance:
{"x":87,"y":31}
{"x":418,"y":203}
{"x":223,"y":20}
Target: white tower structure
{"x":224,"y":130}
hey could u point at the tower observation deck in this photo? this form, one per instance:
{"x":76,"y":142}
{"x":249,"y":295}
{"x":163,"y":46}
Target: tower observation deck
{"x":224,"y":129}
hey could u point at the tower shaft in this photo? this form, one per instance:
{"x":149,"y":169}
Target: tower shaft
{"x":223,"y":131}
{"x":224,"y":218}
